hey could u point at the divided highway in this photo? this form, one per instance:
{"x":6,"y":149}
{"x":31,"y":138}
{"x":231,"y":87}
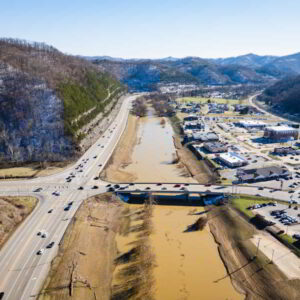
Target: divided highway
{"x":22,"y":270}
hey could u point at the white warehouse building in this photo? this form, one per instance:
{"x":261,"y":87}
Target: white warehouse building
{"x":252,"y":124}
{"x":232,"y":159}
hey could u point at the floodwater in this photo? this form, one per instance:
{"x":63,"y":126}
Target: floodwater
{"x":188,"y":265}
{"x":153,"y":155}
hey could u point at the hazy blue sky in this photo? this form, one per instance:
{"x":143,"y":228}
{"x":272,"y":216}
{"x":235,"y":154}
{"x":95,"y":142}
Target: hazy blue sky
{"x":156,"y":28}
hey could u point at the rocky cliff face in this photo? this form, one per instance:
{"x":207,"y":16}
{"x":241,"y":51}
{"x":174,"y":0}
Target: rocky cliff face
{"x":31,"y":119}
{"x":46,"y":98}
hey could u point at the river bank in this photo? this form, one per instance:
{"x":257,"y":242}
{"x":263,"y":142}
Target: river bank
{"x":181,"y":258}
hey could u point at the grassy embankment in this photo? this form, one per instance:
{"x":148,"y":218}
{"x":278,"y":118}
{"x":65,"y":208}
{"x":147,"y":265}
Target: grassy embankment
{"x":249,"y":270}
{"x":91,"y":96}
{"x":13,"y":210}
{"x":241,"y":204}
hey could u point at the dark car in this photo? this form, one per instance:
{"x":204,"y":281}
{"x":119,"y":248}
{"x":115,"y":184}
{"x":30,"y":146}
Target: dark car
{"x":131,"y":183}
{"x":158,"y":184}
{"x":116,"y":186}
{"x":108,"y":185}
{"x":1,"y":295}
{"x":80,"y":188}
{"x":177,"y":185}
{"x":50,"y":245}
{"x":96,"y":178}
{"x":111,"y":189}
{"x":67,"y":208}
{"x":95,"y":187}
{"x":50,"y":211}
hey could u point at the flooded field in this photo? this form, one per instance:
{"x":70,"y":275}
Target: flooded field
{"x":154,"y":153}
{"x":187,"y":264}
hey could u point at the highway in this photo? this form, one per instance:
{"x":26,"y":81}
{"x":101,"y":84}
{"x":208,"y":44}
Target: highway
{"x":22,"y":270}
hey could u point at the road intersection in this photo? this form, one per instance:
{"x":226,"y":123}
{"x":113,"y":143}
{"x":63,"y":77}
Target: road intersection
{"x":22,"y":270}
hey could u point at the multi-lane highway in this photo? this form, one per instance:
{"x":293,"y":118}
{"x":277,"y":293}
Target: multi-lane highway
{"x":22,"y":270}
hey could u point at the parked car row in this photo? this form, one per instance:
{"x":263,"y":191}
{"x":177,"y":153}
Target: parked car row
{"x":283,"y":217}
{"x":255,"y":206}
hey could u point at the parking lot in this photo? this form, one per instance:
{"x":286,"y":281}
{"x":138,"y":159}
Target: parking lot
{"x":284,"y":219}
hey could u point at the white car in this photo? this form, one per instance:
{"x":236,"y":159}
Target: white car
{"x":41,"y":251}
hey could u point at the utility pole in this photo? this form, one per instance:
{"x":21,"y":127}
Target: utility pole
{"x":273,"y":250}
{"x":257,"y":247}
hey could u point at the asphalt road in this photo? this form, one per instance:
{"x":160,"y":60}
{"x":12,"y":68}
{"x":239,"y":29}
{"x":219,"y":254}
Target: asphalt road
{"x":22,"y":270}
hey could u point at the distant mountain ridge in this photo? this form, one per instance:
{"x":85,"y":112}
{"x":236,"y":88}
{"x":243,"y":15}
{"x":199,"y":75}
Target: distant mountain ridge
{"x":146,"y":74}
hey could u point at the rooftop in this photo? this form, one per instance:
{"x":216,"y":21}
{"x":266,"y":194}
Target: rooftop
{"x":281,"y":128}
{"x":232,"y":157}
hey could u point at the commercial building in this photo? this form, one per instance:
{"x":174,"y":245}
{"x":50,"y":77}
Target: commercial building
{"x":190,"y":118}
{"x":215,"y":147}
{"x":232,"y":159}
{"x":205,"y":136}
{"x":281,"y":132}
{"x":193,"y":125}
{"x":286,"y":151}
{"x":262,"y":174}
{"x":252,"y":124}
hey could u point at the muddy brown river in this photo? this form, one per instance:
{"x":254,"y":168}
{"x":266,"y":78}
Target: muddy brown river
{"x":188,"y":264}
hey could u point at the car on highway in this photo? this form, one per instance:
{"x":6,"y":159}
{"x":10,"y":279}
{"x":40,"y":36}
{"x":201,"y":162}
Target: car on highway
{"x":50,"y":211}
{"x":50,"y":245}
{"x":67,"y":208}
{"x":39,"y":233}
{"x":44,"y":235}
{"x":96,"y":178}
{"x":110,"y":189}
{"x":56,"y":193}
{"x":100,"y":165}
{"x":95,"y":187}
{"x":176,"y":185}
{"x":41,"y":251}
{"x":95,"y":156}
{"x":80,"y":188}
{"x":38,"y":190}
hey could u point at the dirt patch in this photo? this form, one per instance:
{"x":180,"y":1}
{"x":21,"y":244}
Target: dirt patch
{"x":13,"y":210}
{"x":84,"y":265}
{"x":258,"y":278}
{"x":121,"y":157}
{"x":133,"y":277}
